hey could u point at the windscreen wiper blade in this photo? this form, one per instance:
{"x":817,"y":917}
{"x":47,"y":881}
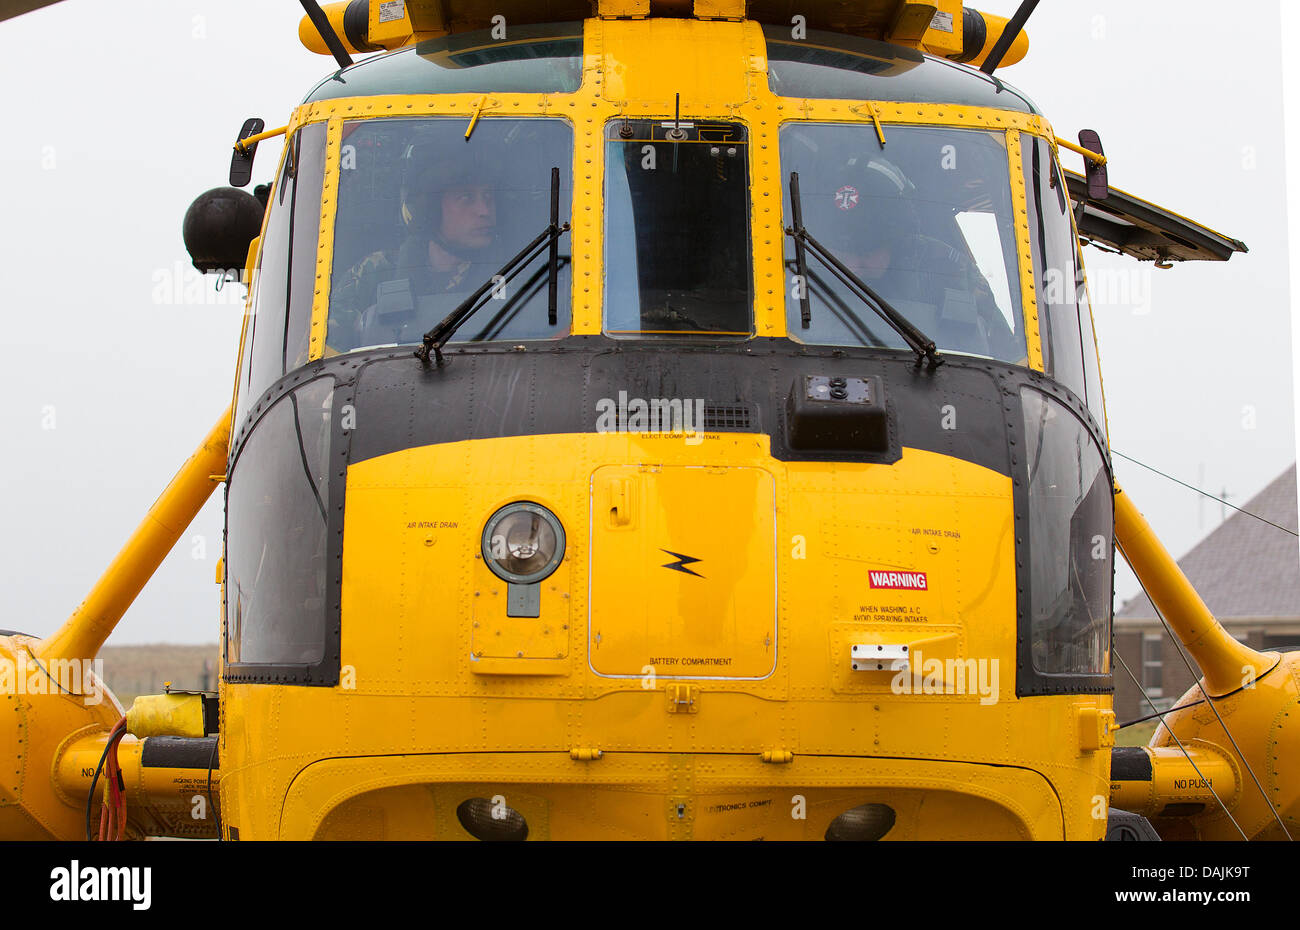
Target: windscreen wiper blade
{"x":548,"y":239}
{"x":918,"y":341}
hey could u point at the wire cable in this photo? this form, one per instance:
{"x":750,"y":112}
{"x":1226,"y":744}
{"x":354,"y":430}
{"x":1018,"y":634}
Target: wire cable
{"x":216,"y":813}
{"x":1157,"y":714}
{"x":1206,"y":493}
{"x":90,"y":797}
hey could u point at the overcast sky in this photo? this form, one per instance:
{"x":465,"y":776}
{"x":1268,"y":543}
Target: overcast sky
{"x":120,"y":114}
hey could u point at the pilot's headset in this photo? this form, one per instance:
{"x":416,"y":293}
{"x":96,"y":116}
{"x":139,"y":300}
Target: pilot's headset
{"x":871,"y":205}
{"x":429,"y":170}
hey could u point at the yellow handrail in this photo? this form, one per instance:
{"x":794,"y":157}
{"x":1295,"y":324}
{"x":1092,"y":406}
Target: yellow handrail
{"x":1086,"y":153}
{"x":242,"y":145}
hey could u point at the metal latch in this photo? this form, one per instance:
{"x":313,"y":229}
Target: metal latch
{"x":877,"y":657}
{"x":682,"y":699}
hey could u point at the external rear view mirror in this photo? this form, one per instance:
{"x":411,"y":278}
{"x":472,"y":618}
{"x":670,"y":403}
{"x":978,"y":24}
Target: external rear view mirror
{"x":1094,"y":171}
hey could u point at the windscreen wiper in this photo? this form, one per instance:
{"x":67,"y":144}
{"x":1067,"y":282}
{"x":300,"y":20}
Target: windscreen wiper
{"x":919,"y":343}
{"x":548,"y":240}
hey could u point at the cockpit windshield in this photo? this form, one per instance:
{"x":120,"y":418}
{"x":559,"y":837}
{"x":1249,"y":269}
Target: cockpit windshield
{"x":925,"y":220}
{"x":426,"y":216}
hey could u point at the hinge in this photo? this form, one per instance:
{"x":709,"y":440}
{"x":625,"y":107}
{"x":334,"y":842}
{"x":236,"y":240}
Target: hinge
{"x":585,"y":755}
{"x":623,"y":9}
{"x":777,"y":756}
{"x":720,"y":9}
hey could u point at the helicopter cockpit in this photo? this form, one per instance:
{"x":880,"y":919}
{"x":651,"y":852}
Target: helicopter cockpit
{"x":923,"y":214}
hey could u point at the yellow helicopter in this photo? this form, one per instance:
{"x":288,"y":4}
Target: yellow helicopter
{"x":661,"y":420}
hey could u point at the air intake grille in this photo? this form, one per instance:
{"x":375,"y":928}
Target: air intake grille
{"x":727,"y":417}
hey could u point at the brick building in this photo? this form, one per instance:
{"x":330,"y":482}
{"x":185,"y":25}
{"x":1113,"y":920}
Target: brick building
{"x":1248,"y":574}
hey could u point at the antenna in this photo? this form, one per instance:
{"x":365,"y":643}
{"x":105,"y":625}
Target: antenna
{"x":1013,"y":29}
{"x":676,"y":134}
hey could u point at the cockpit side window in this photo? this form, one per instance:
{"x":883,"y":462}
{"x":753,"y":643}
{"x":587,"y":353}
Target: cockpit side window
{"x":1064,"y":314}
{"x":283,"y":287}
{"x":1069,"y":522}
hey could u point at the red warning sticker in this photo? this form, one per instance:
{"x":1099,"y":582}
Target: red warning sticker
{"x":907,"y":581}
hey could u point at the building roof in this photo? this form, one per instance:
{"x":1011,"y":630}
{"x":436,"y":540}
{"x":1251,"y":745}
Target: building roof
{"x":1245,"y":568}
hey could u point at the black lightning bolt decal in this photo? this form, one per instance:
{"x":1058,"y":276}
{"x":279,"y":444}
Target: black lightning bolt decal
{"x":681,"y":563}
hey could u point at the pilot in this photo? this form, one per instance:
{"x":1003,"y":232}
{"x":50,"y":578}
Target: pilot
{"x":903,"y":248}
{"x":449,"y":214}
{"x":452,"y":208}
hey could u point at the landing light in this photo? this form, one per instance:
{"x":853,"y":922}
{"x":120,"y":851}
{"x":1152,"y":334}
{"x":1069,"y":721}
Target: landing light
{"x":523,"y":543}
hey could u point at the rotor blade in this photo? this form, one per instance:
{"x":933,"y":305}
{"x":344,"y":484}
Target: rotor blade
{"x":1009,"y":33}
{"x":11,"y":8}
